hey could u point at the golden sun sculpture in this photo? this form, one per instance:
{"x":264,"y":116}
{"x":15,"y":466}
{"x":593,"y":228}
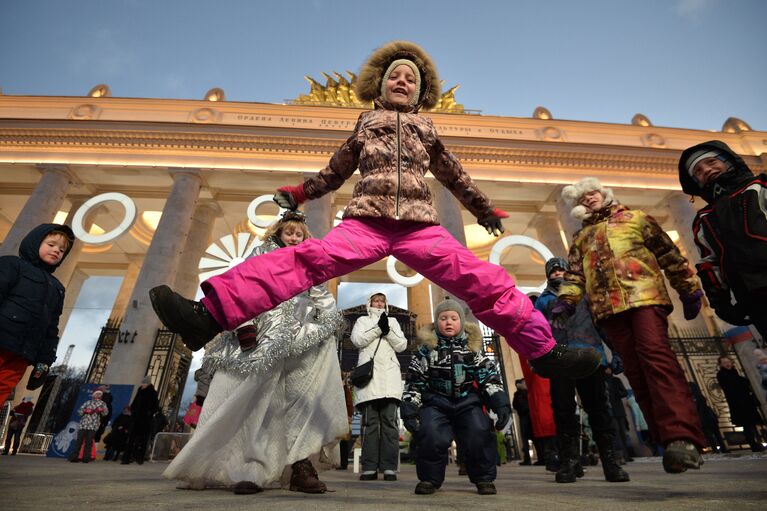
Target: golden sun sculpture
{"x":339,"y":91}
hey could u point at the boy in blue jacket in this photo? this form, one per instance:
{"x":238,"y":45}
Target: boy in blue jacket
{"x":31,"y":301}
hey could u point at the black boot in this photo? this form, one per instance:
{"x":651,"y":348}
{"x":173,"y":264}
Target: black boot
{"x":551,"y":454}
{"x":570,"y":465}
{"x":565,"y":362}
{"x":190,"y":319}
{"x":613,"y":472}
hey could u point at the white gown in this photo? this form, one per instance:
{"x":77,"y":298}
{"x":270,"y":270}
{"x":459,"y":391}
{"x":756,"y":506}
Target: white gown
{"x":270,"y":407}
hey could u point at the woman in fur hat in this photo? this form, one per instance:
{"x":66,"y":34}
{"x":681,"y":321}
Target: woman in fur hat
{"x":449,"y":380}
{"x":619,"y":258}
{"x":390,"y":213}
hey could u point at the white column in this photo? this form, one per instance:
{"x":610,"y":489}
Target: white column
{"x":319,"y":220}
{"x":682,"y":214}
{"x":187,"y":277}
{"x":547,"y":231}
{"x":449,"y":211}
{"x":67,"y":268}
{"x":129,"y":360}
{"x":568,"y":224}
{"x":41,"y":207}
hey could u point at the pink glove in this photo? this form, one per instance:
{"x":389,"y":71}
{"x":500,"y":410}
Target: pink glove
{"x":88,"y":411}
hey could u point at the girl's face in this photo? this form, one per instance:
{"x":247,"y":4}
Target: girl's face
{"x":593,"y":200}
{"x":378,"y":302}
{"x":449,"y":323}
{"x":291,"y":236}
{"x":400,"y":87}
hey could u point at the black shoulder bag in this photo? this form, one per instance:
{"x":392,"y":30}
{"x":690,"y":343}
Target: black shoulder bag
{"x":362,"y":374}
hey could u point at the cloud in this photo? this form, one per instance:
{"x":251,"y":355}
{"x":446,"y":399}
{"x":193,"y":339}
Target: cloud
{"x":102,"y":56}
{"x":693,"y":9}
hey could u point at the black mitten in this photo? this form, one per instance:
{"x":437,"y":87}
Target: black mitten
{"x":37,"y":378}
{"x":383,"y":323}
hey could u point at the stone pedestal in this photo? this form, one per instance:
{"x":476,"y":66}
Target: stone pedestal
{"x":129,"y":360}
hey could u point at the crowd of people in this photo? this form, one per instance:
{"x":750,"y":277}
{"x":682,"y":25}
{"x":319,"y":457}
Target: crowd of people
{"x":271,"y":398}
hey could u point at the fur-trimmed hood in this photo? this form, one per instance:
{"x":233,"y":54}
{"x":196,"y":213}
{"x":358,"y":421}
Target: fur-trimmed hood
{"x":368,"y":86}
{"x":572,"y":194}
{"x":427,"y":336}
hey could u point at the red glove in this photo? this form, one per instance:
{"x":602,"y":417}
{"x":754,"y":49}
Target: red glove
{"x":289,"y":197}
{"x":88,"y":411}
{"x":492,"y":221}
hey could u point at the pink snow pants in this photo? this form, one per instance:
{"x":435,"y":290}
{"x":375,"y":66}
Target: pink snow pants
{"x":261,"y":283}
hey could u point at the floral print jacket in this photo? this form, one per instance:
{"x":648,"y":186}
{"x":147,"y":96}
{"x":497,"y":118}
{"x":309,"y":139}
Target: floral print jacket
{"x":618,"y":258}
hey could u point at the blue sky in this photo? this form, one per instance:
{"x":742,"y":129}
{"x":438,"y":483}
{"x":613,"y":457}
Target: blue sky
{"x":682,"y":63}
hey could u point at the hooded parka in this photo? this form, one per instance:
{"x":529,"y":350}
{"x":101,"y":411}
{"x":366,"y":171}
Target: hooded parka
{"x":731,"y":232}
{"x":618,"y":258}
{"x":387,"y":376}
{"x":31,"y":299}
{"x":394,"y":147}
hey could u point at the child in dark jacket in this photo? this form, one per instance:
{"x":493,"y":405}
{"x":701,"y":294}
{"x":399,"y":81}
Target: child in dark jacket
{"x":731,"y":231}
{"x":448,"y":382}
{"x":390,"y":213}
{"x":31,"y":300}
{"x":578,"y":329}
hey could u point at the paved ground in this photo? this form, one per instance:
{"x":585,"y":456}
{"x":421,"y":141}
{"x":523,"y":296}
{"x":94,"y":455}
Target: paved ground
{"x":724,"y":483}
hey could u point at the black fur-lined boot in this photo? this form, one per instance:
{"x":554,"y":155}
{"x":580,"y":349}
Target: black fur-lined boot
{"x":613,"y":472}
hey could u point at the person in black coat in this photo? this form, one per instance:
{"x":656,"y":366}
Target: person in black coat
{"x":744,"y":408}
{"x":117,"y":439}
{"x":107,"y":397}
{"x":522,"y":407}
{"x":31,"y":301}
{"x":143,"y":408}
{"x":730,"y":232}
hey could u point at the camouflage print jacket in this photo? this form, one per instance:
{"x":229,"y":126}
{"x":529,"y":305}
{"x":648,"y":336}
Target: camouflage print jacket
{"x":617,"y":258}
{"x":394,"y":147}
{"x":452,"y":367}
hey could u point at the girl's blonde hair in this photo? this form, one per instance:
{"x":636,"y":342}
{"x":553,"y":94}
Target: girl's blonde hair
{"x":275,"y":230}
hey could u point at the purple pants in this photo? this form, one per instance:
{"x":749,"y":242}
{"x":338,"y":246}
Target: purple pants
{"x":261,"y":283}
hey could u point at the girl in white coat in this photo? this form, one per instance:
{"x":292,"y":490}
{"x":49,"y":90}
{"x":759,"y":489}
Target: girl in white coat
{"x":379,"y":399}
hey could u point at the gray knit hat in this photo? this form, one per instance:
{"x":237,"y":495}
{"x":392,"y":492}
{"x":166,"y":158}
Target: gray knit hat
{"x":416,"y":72}
{"x":450,"y":305}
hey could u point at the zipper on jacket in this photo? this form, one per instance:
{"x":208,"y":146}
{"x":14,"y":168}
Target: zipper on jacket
{"x":399,"y":167}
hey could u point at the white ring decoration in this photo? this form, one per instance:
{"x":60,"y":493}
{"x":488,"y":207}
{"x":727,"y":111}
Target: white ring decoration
{"x":391,"y":270}
{"x":253,"y":206}
{"x":525,"y":241}
{"x":103,"y":239}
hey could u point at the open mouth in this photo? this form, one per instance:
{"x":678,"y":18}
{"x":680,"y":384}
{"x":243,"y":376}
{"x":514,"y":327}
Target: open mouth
{"x":400,"y":90}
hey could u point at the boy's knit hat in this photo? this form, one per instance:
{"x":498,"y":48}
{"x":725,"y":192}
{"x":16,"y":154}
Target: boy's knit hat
{"x":701,"y":155}
{"x":371,"y":76}
{"x":416,"y":72}
{"x":450,"y":305}
{"x":554,"y":263}
{"x":573,"y":193}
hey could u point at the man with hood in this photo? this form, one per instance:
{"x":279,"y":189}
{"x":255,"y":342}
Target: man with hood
{"x":731,"y":231}
{"x":379,"y":337}
{"x":31,"y":301}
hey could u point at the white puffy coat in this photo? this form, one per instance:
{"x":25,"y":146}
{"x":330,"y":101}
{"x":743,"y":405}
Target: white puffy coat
{"x":387,"y":378}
